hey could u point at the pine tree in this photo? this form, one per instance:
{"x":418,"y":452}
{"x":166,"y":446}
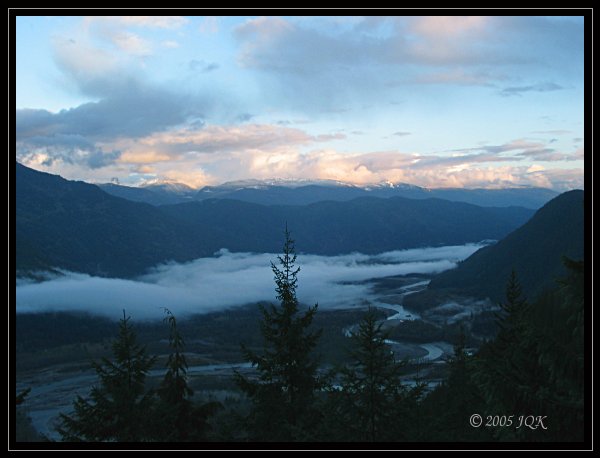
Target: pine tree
{"x":284,"y":395}
{"x":373,"y":405}
{"x":177,"y":418}
{"x":118,"y":408}
{"x":557,"y":323}
{"x":512,"y":308}
{"x":174,"y":407}
{"x":508,"y":369}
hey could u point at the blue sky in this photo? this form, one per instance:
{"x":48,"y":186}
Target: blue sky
{"x":431,"y":101}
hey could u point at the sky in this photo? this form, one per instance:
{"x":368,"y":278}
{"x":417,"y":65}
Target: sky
{"x":229,"y":280}
{"x":431,"y":101}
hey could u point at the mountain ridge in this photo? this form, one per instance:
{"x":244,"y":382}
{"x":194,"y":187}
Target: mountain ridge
{"x":303,"y":192}
{"x":77,"y":226}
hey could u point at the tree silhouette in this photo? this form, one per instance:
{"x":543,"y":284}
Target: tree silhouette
{"x":283,"y":396}
{"x":177,"y":418}
{"x":372,"y":403}
{"x":117,"y":409}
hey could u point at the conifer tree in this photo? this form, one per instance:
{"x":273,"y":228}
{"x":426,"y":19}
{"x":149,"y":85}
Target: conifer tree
{"x":508,"y":369}
{"x":118,"y":407}
{"x":512,"y":308}
{"x":536,"y":363}
{"x":177,"y":418}
{"x":373,"y":405}
{"x":174,"y":406}
{"x":557,"y":335}
{"x":284,"y":395}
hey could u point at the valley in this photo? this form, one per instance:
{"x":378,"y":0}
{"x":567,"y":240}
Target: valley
{"x":213,"y":355}
{"x":85,"y":256}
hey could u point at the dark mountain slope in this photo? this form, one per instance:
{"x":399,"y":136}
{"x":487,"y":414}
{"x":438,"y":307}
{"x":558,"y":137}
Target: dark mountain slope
{"x":77,"y":226}
{"x":368,"y":225}
{"x":534,"y":251}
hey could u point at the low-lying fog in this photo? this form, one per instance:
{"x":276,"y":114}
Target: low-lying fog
{"x":230,"y":279}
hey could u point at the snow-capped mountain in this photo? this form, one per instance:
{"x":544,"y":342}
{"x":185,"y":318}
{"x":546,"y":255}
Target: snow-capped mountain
{"x":168,"y":186}
{"x":283,"y":191}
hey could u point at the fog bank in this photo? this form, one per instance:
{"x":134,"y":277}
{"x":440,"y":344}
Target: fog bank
{"x":229,"y":280}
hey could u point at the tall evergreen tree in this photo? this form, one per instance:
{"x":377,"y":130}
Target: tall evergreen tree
{"x":372,"y":404}
{"x":557,"y":335}
{"x":177,"y":417}
{"x":512,"y":308}
{"x":118,"y":408}
{"x":284,"y":395}
{"x":174,"y":407}
{"x":535,"y":366}
{"x":509,"y":371}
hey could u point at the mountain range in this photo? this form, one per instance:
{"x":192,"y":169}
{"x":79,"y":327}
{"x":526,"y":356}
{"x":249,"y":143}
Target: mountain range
{"x":77,"y":226}
{"x":304,"y":192}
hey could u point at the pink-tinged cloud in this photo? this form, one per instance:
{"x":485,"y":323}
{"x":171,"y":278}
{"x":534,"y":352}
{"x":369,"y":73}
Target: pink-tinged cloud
{"x":132,"y":43}
{"x":448,"y":27}
{"x":216,"y":154}
{"x":220,"y":139}
{"x":258,"y":35}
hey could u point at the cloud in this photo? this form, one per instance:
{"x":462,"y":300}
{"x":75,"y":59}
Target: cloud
{"x":550,"y":155}
{"x":99,"y":31}
{"x":329,"y":67}
{"x":124,"y":106}
{"x":162,"y":22}
{"x":229,"y":280}
{"x":132,"y":43}
{"x":552,"y":132}
{"x":132,"y":113}
{"x":447,"y":27}
{"x":454,"y":76}
{"x":50,"y":156}
{"x":212,"y":154}
{"x":302,"y":67}
{"x":124,"y":97}
{"x":209,"y":25}
{"x":329,"y":137}
{"x":170,"y":44}
{"x":560,"y":179}
{"x":282,"y":45}
{"x":442,"y":40}
{"x":434,"y":171}
{"x":202,"y":66}
{"x":89,"y":68}
{"x":223,"y":139}
{"x":529,"y":149}
{"x":303,"y":62}
{"x":539,"y":87}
